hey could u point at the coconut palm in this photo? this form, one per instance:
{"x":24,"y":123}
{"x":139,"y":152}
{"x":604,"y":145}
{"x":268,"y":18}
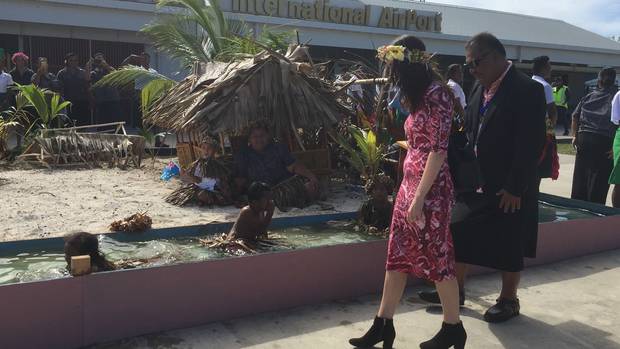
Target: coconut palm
{"x":367,"y":156}
{"x":192,"y":32}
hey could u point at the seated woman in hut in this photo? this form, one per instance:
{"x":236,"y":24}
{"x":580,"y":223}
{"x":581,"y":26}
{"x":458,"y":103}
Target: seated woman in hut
{"x":207,"y":180}
{"x":265,"y":161}
{"x":250,"y":229}
{"x":376,"y":212}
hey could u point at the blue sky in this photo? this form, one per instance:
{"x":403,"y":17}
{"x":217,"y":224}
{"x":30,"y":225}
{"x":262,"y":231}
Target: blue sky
{"x":599,"y":16}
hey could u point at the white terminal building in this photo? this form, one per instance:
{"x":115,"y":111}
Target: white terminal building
{"x":333,"y":29}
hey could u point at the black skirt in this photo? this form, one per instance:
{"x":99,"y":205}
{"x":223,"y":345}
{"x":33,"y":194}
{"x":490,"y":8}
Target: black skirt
{"x":498,"y":240}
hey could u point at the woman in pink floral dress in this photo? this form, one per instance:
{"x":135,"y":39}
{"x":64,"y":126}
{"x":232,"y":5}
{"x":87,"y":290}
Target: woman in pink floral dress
{"x":420,"y":240}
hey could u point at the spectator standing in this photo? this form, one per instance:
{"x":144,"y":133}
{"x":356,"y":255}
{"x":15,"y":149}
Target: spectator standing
{"x":74,"y":82}
{"x":542,"y":71}
{"x":6,"y":80}
{"x":43,"y":78}
{"x":549,"y":164}
{"x":561,"y":96}
{"x":455,"y":81}
{"x":107,"y":98}
{"x":593,"y":134}
{"x":21,"y":74}
{"x":615,"y":174}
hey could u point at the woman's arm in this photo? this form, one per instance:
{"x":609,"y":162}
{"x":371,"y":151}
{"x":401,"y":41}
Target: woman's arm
{"x":431,"y":170}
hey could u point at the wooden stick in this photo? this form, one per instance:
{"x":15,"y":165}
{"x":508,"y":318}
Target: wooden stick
{"x":373,"y":81}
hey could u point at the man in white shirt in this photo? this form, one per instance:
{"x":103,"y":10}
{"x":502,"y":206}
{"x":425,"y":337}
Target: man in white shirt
{"x":455,"y":80}
{"x":5,"y":81}
{"x":542,"y":70}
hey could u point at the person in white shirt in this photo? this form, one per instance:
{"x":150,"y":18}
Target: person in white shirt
{"x":5,"y":81}
{"x":615,"y":173}
{"x":455,"y":81}
{"x":542,"y":70}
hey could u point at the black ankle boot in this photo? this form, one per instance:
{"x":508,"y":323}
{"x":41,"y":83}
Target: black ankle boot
{"x":382,"y":330}
{"x":448,"y":336}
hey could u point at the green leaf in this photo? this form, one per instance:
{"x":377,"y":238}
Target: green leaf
{"x":154,"y":90}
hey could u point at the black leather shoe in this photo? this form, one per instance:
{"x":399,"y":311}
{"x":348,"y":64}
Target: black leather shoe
{"x":433,"y":297}
{"x":449,"y":335}
{"x":382,"y":330}
{"x":503,"y":310}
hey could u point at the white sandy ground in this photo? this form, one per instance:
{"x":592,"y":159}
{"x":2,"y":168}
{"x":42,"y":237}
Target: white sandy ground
{"x":41,"y":203}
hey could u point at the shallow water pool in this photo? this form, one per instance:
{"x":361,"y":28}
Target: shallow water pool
{"x":50,"y":264}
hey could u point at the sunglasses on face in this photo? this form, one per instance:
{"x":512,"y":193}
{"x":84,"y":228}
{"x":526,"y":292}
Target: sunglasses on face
{"x":476,"y":62}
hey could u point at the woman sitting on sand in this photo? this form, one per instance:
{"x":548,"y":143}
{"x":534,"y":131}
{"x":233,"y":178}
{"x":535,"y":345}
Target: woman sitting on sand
{"x":207,"y":180}
{"x":250,"y":229}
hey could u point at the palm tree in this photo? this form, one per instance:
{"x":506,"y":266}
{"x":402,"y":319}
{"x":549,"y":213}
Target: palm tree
{"x":192,"y":32}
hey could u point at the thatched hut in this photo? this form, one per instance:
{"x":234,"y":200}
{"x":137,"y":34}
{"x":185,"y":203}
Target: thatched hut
{"x":224,"y":98}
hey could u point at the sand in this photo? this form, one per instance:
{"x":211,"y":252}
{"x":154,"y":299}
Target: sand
{"x":42,"y":203}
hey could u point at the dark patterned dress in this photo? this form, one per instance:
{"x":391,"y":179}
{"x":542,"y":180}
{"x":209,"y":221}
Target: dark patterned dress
{"x":424,"y":249}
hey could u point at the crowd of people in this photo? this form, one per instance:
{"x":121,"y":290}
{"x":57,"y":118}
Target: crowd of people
{"x":74,"y":83}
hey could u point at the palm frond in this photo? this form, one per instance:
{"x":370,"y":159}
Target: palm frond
{"x":153,"y":91}
{"x":181,"y":39}
{"x":124,"y":77}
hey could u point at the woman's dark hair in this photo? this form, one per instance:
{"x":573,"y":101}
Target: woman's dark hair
{"x":486,"y":41}
{"x":413,"y":78}
{"x":82,"y":244}
{"x":257,"y":191}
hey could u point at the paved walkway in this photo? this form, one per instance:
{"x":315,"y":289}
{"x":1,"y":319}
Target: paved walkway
{"x":573,"y":304}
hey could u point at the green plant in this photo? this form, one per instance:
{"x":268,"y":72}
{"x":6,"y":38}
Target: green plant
{"x":47,"y":104}
{"x":367,"y":155}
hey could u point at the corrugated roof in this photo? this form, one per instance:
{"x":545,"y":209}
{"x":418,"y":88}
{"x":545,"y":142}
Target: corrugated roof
{"x":468,"y":21}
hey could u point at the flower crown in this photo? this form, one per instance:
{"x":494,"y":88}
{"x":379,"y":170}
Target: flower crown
{"x":390,"y":53}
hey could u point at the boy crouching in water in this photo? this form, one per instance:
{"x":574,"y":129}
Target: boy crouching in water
{"x":250,"y":229}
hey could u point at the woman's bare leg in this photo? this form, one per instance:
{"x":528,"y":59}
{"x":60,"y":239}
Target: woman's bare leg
{"x":393,"y":288}
{"x":449,"y":295}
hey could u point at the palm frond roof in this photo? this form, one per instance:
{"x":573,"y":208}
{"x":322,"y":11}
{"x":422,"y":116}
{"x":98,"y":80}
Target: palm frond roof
{"x":225,"y":97}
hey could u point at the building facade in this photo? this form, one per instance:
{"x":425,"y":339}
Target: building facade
{"x":333,"y":28}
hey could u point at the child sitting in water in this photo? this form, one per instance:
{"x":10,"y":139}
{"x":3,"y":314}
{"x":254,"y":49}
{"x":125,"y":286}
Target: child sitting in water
{"x":254,"y":219}
{"x":81,"y":244}
{"x":376,"y":212}
{"x":250,"y":230}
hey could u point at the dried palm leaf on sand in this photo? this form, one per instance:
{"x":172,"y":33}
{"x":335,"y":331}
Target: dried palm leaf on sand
{"x":183,"y":196}
{"x":133,"y":223}
{"x":291,"y":192}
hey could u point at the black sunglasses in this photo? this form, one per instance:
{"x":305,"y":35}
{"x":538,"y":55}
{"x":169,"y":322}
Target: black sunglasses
{"x":476,"y":62}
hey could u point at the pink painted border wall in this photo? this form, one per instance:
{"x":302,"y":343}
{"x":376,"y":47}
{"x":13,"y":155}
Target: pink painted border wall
{"x":74,"y":312}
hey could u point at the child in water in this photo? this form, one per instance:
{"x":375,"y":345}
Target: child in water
{"x":81,"y":244}
{"x":254,"y":219}
{"x":249,"y":233}
{"x":376,"y":212}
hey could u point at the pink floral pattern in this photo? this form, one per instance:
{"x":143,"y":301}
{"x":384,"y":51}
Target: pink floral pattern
{"x":425,"y":248}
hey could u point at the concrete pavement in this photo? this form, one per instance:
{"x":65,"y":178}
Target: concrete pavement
{"x":573,"y":304}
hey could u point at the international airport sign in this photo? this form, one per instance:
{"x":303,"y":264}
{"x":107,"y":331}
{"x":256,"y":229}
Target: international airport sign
{"x":324,"y":11}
